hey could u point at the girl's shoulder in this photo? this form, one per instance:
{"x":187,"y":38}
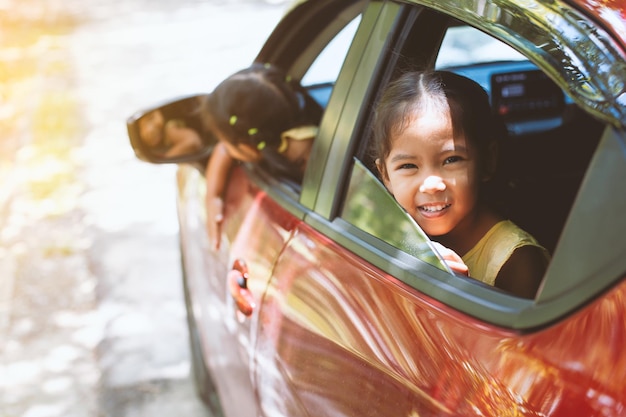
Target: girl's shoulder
{"x":515,"y":235}
{"x":504,"y":244}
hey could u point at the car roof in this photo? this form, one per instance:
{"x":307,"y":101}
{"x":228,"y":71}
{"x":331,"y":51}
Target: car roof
{"x":610,"y":14}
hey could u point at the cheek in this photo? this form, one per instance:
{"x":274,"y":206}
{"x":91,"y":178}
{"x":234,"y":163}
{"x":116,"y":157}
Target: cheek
{"x":466,"y":174}
{"x":402,"y":190}
{"x":406,"y":201}
{"x":466,"y":187}
{"x":242,"y":152}
{"x":248,"y":154}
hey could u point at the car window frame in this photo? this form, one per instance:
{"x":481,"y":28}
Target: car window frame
{"x":484,"y":303}
{"x":370,"y":53}
{"x":317,"y":23}
{"x":301,"y":35}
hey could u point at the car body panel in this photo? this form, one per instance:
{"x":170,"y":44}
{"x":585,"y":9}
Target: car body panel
{"x":313,"y":355}
{"x":249,"y":217}
{"x":349,"y":339}
{"x":211,"y":305}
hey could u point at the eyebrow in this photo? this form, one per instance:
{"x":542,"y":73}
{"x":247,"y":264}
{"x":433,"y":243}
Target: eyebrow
{"x":459,"y":148}
{"x":404,"y":156}
{"x":401,"y":157}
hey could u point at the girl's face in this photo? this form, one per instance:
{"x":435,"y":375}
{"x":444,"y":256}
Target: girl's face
{"x":240,"y":151}
{"x":433,"y":174}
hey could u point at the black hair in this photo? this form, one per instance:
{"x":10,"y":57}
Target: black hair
{"x":466,"y":100}
{"x":255,"y":105}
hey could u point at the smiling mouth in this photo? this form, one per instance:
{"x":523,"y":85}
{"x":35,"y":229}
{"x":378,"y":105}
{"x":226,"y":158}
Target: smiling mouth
{"x":433,"y":208}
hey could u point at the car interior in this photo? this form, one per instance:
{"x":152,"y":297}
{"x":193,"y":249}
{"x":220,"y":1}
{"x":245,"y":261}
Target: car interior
{"x":540,"y":173}
{"x":550,"y":140}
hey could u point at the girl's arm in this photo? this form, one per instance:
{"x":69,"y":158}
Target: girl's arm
{"x":522,"y":274}
{"x":217,"y":172}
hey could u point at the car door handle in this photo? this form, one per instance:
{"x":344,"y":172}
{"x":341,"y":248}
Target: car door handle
{"x":238,"y":287}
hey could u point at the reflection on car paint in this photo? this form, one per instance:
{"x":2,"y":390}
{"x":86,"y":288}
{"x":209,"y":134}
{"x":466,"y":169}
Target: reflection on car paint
{"x":324,"y":325}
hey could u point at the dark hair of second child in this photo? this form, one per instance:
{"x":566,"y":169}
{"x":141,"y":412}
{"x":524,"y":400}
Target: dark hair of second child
{"x":255,"y":105}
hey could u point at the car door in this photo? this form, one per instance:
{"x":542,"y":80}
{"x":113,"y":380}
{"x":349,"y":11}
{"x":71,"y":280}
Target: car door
{"x":351,"y":324}
{"x":261,"y":212}
{"x":336,"y":336}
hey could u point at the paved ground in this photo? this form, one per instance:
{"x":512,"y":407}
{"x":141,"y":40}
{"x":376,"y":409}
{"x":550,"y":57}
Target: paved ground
{"x":92,"y":320}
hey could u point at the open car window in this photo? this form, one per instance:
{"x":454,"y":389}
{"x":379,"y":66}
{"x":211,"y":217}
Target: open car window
{"x":463,"y":45}
{"x":541,"y":121}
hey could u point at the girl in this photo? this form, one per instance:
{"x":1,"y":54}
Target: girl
{"x":436,"y":142}
{"x":257,"y":115}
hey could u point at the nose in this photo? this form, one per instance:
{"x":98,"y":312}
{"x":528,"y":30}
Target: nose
{"x":432,"y":184}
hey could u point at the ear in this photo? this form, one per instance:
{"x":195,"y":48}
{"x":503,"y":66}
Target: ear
{"x":491,"y":161}
{"x":383,"y":174}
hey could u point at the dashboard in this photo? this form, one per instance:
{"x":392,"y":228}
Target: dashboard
{"x":522,"y":95}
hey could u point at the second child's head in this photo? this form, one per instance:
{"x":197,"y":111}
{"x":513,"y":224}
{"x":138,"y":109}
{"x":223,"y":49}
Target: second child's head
{"x":249,"y":110}
{"x":435,"y":139}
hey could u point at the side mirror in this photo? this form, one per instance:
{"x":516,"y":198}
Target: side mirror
{"x":171,"y":133}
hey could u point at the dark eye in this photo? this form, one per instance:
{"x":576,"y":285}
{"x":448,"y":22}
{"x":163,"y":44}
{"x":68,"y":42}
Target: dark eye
{"x":407,"y":166}
{"x":452,"y":159}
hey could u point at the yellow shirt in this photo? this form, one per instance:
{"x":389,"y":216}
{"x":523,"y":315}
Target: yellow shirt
{"x":492,"y":251}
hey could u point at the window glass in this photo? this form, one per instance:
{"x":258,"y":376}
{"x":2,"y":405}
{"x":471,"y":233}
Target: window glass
{"x":321,"y":75}
{"x":328,"y":63}
{"x":526,"y":99}
{"x":464,"y":45}
{"x":371,"y":208}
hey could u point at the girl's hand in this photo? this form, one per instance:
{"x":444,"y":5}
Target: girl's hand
{"x":452,"y":259}
{"x":217,"y":177}
{"x":215,"y":215}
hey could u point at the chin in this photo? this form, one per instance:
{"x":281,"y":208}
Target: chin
{"x":436,"y":231}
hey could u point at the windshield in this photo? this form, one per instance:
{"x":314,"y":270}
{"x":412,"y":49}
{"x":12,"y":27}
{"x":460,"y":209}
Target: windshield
{"x":464,"y":45}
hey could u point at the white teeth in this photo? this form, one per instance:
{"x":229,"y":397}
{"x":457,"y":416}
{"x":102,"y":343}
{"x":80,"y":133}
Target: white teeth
{"x":433,"y":209}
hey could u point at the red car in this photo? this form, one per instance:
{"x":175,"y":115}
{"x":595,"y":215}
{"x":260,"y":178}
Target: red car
{"x":315,"y":305}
